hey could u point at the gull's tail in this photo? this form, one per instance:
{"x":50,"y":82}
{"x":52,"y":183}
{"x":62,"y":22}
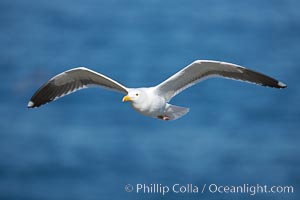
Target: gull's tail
{"x":175,"y":112}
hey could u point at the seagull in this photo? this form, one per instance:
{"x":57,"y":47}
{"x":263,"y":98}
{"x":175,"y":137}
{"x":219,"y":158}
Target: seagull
{"x":149,"y":101}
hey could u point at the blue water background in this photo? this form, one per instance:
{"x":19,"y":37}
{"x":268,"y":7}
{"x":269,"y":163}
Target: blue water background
{"x":89,"y":145}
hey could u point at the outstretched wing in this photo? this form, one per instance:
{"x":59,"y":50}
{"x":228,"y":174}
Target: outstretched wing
{"x":202,"y":69}
{"x":71,"y":81}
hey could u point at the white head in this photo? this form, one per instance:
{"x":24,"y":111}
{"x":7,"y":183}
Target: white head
{"x":135,"y":96}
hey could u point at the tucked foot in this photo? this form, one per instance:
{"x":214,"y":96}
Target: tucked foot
{"x":163,"y":117}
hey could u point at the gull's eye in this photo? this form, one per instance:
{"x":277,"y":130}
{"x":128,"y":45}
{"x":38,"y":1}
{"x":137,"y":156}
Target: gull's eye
{"x":137,"y":94}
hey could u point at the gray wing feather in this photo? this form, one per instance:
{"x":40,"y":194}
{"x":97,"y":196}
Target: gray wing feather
{"x":71,"y":81}
{"x":202,"y":69}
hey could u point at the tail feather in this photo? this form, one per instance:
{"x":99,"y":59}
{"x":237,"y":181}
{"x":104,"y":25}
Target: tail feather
{"x":175,"y":112}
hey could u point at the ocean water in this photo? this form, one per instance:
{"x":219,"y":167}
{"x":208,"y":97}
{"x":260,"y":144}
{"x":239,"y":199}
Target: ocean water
{"x":89,"y":145}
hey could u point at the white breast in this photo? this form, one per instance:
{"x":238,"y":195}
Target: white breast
{"x":150,"y":105}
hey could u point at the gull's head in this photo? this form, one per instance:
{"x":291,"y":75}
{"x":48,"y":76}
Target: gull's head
{"x":133,"y":96}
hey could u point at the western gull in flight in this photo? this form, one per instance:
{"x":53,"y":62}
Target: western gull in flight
{"x":150,"y":101}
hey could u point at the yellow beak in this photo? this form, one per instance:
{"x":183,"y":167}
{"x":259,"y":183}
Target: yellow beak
{"x":126,"y":98}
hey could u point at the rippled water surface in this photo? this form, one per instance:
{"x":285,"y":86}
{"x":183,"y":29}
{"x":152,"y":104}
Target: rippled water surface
{"x":89,"y":145}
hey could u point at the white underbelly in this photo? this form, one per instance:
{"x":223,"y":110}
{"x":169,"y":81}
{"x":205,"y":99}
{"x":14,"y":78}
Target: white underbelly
{"x":152,"y":109}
